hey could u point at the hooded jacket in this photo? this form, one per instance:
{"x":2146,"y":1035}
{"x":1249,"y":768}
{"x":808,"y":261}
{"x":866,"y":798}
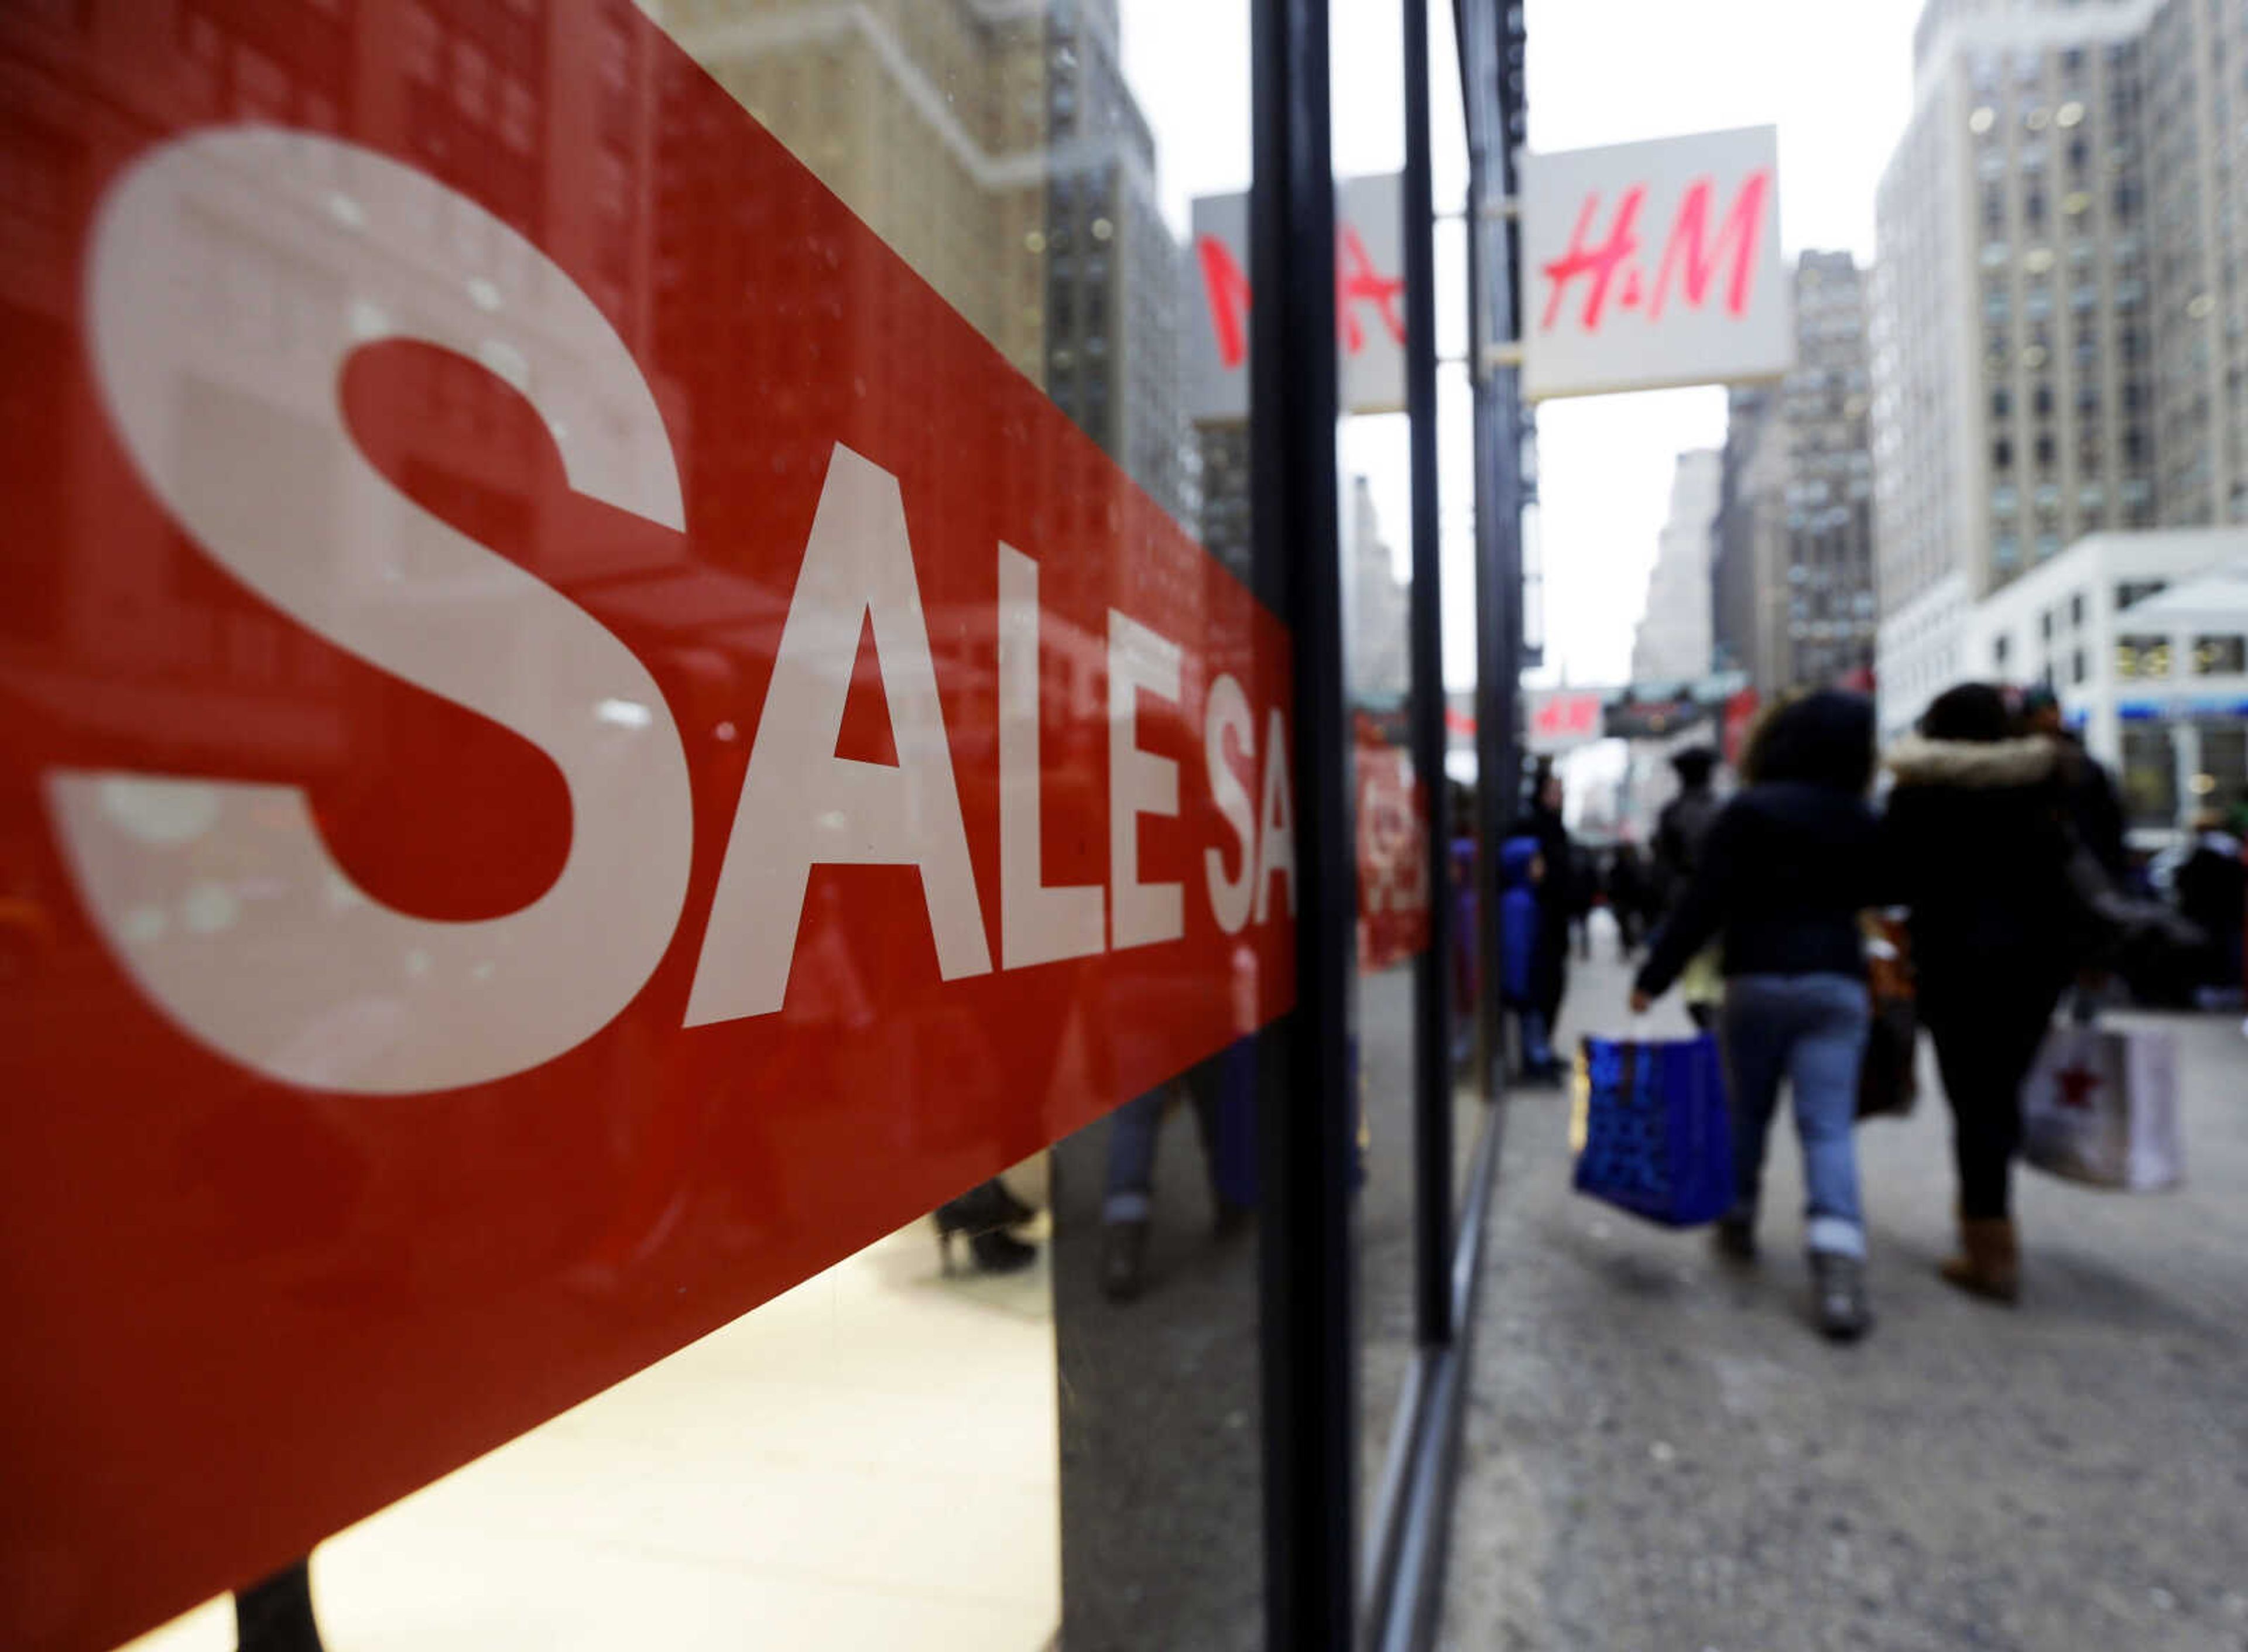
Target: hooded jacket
{"x":1975,"y":842}
{"x":1788,"y":864}
{"x":1519,"y":920}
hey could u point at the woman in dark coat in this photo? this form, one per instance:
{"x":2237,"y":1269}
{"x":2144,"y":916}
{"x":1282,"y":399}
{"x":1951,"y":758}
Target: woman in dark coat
{"x":1977,"y":842}
{"x":1783,"y":872}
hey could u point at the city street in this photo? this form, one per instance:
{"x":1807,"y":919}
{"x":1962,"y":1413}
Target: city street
{"x":1662,"y":1457}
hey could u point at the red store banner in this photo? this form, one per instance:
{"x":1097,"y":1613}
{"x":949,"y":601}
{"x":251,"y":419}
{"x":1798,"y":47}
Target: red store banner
{"x":575,"y":746}
{"x":1393,"y":844}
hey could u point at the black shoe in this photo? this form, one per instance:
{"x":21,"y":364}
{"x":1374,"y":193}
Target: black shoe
{"x":983,"y":1213}
{"x":1735,"y":1239}
{"x":1000,"y":1252}
{"x":1123,"y":1260}
{"x":986,"y":1206}
{"x":1838,"y":1290}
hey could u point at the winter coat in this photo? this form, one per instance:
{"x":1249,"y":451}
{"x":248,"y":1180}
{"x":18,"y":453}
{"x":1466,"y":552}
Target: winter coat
{"x":1521,"y":917}
{"x":2212,"y":888}
{"x":2095,"y":810}
{"x":1977,"y":842}
{"x":1679,"y":832}
{"x":1557,"y":903}
{"x":1783,"y":873}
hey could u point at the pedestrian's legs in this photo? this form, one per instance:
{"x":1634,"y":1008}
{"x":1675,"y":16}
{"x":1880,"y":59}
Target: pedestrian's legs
{"x":1132,"y":1133}
{"x":1537,"y":1049}
{"x":1984,"y":1048}
{"x":275,"y":1615}
{"x":1823,"y":1074}
{"x":1754,"y":1031}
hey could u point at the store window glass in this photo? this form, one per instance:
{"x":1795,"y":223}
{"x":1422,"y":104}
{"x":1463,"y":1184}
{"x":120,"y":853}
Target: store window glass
{"x":2149,"y":778}
{"x":702,"y":551}
{"x":2222,"y":784}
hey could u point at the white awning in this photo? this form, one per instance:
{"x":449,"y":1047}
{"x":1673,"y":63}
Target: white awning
{"x":2216,"y":600}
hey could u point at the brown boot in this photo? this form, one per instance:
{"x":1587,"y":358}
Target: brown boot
{"x":1990,"y":1263}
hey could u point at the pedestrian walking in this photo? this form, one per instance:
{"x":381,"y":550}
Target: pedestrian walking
{"x":1521,"y":925}
{"x":2213,"y":895}
{"x":1679,"y":830}
{"x":1558,"y":896}
{"x":1781,"y":876}
{"x":1627,"y":897}
{"x":1977,"y":841}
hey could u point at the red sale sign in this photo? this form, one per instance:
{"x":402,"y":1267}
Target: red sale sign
{"x":1650,"y":264}
{"x":574,"y":747}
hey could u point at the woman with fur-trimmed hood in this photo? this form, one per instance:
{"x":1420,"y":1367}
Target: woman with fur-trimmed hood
{"x":1977,"y":842}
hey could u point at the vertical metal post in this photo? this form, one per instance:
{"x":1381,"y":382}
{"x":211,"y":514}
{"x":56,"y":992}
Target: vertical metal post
{"x":1305,"y":1147}
{"x":1432,"y":986}
{"x":1488,"y":71}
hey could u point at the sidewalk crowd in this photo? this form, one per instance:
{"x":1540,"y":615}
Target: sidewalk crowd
{"x":1998,"y":854}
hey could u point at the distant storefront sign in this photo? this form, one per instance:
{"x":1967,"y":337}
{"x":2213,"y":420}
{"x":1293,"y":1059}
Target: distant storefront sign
{"x":1658,"y":710}
{"x":1560,"y":719}
{"x":1650,"y":264}
{"x":1369,"y":301}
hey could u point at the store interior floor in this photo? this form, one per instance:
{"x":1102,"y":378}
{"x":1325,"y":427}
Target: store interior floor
{"x":836,"y":1470}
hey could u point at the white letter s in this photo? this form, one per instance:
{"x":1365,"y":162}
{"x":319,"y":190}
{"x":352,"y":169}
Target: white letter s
{"x":315,"y":983}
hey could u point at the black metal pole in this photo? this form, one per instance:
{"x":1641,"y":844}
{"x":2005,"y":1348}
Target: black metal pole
{"x":1306,"y":1146}
{"x":1432,"y":985}
{"x":1489,"y":74}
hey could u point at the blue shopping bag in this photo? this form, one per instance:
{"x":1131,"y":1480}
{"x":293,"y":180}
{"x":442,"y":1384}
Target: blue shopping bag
{"x":1650,"y":1130}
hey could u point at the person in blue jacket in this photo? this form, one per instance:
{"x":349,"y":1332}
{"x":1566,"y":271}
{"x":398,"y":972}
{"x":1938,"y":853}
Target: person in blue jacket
{"x":1521,"y":926}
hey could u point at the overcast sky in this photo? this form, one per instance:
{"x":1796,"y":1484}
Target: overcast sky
{"x":1835,"y":77}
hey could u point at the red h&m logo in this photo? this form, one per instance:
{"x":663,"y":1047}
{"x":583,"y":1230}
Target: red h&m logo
{"x":1690,"y":256}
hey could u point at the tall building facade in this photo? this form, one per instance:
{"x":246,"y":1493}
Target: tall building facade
{"x":1794,"y":582}
{"x":2060,"y":322}
{"x":1674,"y":639}
{"x":1381,"y":664}
{"x":2195,"y":97}
{"x":997,"y":148}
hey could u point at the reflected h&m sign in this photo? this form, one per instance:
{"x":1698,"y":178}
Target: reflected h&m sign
{"x":567,"y":783}
{"x":1557,"y":720}
{"x":1651,"y":264}
{"x":1369,"y":301}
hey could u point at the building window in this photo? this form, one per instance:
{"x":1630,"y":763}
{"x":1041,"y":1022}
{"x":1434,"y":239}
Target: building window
{"x":2220,"y":656}
{"x":2142,"y":656}
{"x":2078,"y":669}
{"x":2076,"y":611}
{"x":2000,"y":647}
{"x":2131,"y":591}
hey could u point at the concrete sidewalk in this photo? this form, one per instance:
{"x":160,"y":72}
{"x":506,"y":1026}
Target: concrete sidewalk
{"x":1661,"y":1456}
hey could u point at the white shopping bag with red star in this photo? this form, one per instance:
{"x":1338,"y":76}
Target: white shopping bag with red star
{"x":2100,"y":1106}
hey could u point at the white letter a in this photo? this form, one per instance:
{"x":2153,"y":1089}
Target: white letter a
{"x":802,"y":805}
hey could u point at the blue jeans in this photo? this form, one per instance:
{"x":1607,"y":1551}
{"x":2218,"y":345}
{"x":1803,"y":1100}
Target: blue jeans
{"x":1810,"y":1030}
